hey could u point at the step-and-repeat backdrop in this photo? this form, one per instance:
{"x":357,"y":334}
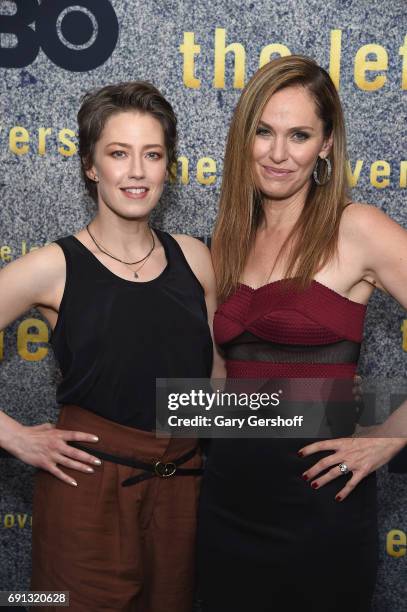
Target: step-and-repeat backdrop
{"x":199,"y":54}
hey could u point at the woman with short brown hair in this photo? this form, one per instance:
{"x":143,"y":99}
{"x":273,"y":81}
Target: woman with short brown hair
{"x":115,"y":506}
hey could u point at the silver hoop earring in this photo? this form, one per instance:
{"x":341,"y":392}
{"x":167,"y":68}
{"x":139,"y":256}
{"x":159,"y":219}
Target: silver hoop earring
{"x":327,"y":172}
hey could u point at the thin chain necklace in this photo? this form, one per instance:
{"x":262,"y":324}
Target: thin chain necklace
{"x":143,"y":260}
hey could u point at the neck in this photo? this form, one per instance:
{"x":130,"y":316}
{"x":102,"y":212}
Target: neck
{"x":283,"y":214}
{"x":124,"y":238}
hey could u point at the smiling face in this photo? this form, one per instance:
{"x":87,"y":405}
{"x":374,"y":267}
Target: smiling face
{"x":288,"y":140}
{"x":129,"y":164}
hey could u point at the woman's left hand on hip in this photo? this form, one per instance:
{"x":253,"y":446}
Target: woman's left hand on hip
{"x":359,"y":455}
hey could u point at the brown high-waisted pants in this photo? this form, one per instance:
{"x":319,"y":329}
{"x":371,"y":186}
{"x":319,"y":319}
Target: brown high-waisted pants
{"x":114,"y":548}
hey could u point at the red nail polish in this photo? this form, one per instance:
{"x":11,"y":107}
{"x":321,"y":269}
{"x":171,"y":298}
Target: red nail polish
{"x":314,"y":485}
{"x":305,"y":477}
{"x":338,"y":498}
{"x":300,"y":454}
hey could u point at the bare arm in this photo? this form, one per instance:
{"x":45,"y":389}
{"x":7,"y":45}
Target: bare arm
{"x":199,"y":258}
{"x":384,"y":250}
{"x":33,"y":280}
{"x":38,"y":279}
{"x":381,"y":247}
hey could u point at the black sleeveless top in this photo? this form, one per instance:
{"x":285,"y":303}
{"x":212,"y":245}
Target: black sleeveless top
{"x":114,"y":337}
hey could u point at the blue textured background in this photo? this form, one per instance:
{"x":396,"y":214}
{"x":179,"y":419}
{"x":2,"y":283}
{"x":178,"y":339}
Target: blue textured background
{"x":42,"y":196}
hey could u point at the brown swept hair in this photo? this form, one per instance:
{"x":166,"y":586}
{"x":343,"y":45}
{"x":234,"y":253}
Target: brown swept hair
{"x":99,"y":105}
{"x":313,"y":240}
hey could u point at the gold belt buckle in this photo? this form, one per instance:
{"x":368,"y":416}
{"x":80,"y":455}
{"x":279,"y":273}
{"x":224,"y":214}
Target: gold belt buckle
{"x":164,"y":470}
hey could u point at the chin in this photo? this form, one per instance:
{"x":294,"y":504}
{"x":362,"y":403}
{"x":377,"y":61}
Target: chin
{"x":132,"y":212}
{"x":134,"y":215}
{"x":278,"y":194}
{"x":281,"y":192}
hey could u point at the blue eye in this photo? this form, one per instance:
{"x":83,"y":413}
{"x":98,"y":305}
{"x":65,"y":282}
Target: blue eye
{"x":118,"y":154}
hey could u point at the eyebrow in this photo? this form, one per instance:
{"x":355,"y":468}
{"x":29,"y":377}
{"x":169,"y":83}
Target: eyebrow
{"x":127,"y":146}
{"x":293,"y":129}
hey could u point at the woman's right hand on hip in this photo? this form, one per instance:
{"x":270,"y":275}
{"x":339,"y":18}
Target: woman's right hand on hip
{"x":46,"y":447}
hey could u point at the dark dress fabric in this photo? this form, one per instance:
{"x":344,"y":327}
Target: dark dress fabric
{"x":114,"y":337}
{"x":267,"y":541}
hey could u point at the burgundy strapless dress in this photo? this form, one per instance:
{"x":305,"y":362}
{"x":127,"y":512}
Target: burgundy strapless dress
{"x":267,"y":541}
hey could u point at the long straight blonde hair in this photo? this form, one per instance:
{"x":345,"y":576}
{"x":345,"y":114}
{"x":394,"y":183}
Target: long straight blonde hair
{"x":313,"y":240}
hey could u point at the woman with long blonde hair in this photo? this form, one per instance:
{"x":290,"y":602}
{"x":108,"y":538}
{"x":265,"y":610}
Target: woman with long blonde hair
{"x":289,"y":524}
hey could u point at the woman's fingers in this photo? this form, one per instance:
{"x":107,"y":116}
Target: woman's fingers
{"x":323,"y":480}
{"x":77,"y":436}
{"x":56,"y":471}
{"x":75,"y":453}
{"x":79,"y":455}
{"x":350,"y":485}
{"x":335,"y":472}
{"x":74,"y":465}
{"x":321,"y":465}
{"x":46,"y":447}
{"x":322,"y":445}
{"x":72,"y":457}
{"x":357,"y":388}
{"x":361,"y":455}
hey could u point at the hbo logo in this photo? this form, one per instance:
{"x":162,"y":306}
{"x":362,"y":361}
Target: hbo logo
{"x":75,"y":36}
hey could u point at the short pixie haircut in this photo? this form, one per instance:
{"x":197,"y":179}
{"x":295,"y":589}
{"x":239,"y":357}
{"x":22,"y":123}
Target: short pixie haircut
{"x":100,"y":104}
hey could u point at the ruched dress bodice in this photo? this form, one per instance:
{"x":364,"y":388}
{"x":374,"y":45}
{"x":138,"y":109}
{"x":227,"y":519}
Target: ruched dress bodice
{"x":316,"y":332}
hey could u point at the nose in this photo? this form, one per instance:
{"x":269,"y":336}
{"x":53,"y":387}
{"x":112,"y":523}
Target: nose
{"x":278,"y":149}
{"x":137,"y":169}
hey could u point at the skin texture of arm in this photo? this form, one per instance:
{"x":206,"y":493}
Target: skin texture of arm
{"x":381,"y":247}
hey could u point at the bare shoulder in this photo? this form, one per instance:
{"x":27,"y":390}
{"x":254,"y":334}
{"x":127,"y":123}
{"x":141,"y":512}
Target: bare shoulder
{"x":361,"y":213}
{"x":191,"y":245}
{"x":194,"y":250}
{"x":198,"y":256}
{"x":365,"y":221}
{"x":378,"y":245}
{"x":36,"y":279}
{"x":47,"y":259}
{"x":35,"y":274}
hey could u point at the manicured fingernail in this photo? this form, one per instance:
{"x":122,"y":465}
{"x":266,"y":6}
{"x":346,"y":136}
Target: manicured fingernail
{"x":305,"y":477}
{"x":95,"y":439}
{"x":74,"y":483}
{"x":97,"y":461}
{"x":338,"y":498}
{"x":89,"y":469}
{"x":300,"y":454}
{"x":314,"y":485}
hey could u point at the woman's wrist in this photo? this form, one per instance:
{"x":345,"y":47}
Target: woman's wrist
{"x":10,"y":431}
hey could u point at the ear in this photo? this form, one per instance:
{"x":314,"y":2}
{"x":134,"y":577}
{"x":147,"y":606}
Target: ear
{"x":91,"y":172}
{"x":326,"y":147}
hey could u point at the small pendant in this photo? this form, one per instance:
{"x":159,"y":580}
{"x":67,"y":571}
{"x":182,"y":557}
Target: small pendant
{"x":135,"y":275}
